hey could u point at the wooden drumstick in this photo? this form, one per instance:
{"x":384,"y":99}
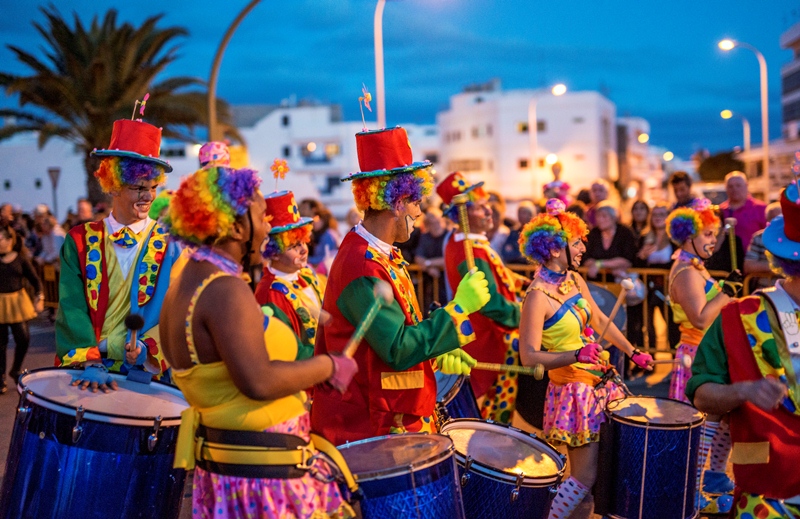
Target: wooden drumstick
{"x":383,"y":296}
{"x":730,"y":225}
{"x":463,"y":222}
{"x":685,"y":360}
{"x":536,"y":372}
{"x":627,"y":285}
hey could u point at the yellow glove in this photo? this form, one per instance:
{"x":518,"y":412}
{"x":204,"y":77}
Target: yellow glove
{"x":472,"y":292}
{"x":455,"y":362}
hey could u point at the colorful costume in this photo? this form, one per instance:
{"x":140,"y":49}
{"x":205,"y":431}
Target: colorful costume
{"x":394,"y":390}
{"x":690,"y":336}
{"x":109,"y":270}
{"x":496,"y":325}
{"x":217,"y":404}
{"x":294,"y":298}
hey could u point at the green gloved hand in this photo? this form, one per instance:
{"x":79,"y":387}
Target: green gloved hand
{"x":472,"y":293}
{"x":455,"y":362}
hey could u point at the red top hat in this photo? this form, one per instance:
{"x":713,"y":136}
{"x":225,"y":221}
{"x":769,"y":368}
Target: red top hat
{"x":455,"y":184}
{"x":285,"y":215}
{"x":136,"y":140}
{"x":384,"y":152}
{"x":782,"y":235}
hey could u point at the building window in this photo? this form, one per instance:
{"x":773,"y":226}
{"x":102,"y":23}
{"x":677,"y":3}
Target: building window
{"x":489,"y":130}
{"x":541,"y":126}
{"x":332,"y":149}
{"x":490,"y":165}
{"x":7,"y":185}
{"x":523,"y":163}
{"x":578,"y":120}
{"x":465,"y":165}
{"x":432,"y":157}
{"x":38,"y":183}
{"x":173,"y":152}
{"x":285,"y":120}
{"x":287,"y":151}
{"x":522,"y":127}
{"x":580,"y":157}
{"x":541,"y":163}
{"x":475,"y":132}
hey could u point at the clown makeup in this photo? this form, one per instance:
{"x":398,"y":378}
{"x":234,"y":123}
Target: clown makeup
{"x":480,"y":216}
{"x":132,"y":203}
{"x":294,"y":258}
{"x":576,"y":250}
{"x":703,"y":244}
{"x":407,"y":216}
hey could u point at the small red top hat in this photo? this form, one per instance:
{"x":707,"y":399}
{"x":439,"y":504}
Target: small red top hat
{"x":135,"y":140}
{"x":455,"y":184}
{"x":384,"y":152}
{"x":285,"y":215}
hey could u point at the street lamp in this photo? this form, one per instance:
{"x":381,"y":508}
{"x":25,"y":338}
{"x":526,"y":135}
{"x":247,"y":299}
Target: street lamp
{"x":727,"y":114}
{"x":380,"y":98}
{"x":212,"y":80}
{"x":533,"y":127}
{"x":728,"y":44}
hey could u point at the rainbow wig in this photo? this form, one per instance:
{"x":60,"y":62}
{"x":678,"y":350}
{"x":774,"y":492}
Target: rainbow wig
{"x":550,"y":231}
{"x":389,"y":191}
{"x":207,"y":203}
{"x":685,"y":223}
{"x":116,"y":172}
{"x":279,"y":242}
{"x":473,"y":195}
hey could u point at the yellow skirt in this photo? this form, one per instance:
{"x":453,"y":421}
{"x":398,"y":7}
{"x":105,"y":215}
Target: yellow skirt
{"x":16,"y":307}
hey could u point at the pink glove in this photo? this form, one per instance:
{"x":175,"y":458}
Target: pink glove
{"x":344,"y":369}
{"x":643,"y":360}
{"x":589,"y":354}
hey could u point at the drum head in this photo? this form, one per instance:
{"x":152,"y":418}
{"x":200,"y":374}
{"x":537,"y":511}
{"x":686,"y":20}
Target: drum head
{"x":386,"y":456}
{"x":654,"y":412}
{"x":504,"y":452}
{"x":445,"y":384}
{"x":133,"y":403}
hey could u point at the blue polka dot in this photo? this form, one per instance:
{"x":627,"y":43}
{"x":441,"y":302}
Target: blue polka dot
{"x":746,"y":515}
{"x":509,"y":361}
{"x":158,"y":244}
{"x":789,"y":405}
{"x":393,"y":275}
{"x":515,"y":345}
{"x":142,"y":268}
{"x":154,"y":267}
{"x":280,"y":288}
{"x":91,"y":272}
{"x":368,"y":256}
{"x":466,"y":328}
{"x":511,"y":389}
{"x":93,"y":239}
{"x":149,"y":290}
{"x":762,"y":321}
{"x":292,"y":296}
{"x":458,"y":309}
{"x":752,"y":339}
{"x":311,"y":332}
{"x":71,"y":353}
{"x":94,"y":255}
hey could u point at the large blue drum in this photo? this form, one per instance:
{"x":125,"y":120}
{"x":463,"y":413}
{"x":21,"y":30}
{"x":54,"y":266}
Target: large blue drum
{"x":454,"y":398}
{"x":653,"y":469}
{"x":78,"y":454}
{"x":505,"y":472}
{"x":406,"y":476}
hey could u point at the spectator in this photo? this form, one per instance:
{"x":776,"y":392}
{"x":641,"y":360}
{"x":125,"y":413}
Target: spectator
{"x":9,"y":218}
{"x":51,"y":237}
{"x":610,"y":245}
{"x":598,"y":193}
{"x":499,"y":232}
{"x":749,"y":212}
{"x":755,"y":259}
{"x":85,"y":212}
{"x":578,"y":208}
{"x":430,"y":255}
{"x":681,"y":184}
{"x":325,"y":238}
{"x":585,"y":197}
{"x":655,"y":252}
{"x":721,"y":259}
{"x":510,"y":252}
{"x":640,"y":213}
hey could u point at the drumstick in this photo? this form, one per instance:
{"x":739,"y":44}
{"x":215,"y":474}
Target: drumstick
{"x":383,"y":296}
{"x":463,"y":222}
{"x":685,"y":360}
{"x":730,"y":225}
{"x":536,"y":372}
{"x":626,"y":284}
{"x":134,"y":322}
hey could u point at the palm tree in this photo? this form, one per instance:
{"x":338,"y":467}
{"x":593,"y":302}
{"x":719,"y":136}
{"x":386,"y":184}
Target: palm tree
{"x":91,"y":76}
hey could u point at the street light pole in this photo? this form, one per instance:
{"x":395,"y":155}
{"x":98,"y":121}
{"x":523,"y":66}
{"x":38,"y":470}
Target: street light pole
{"x":212,"y":80}
{"x":762,"y":68}
{"x":533,"y":127}
{"x":380,"y":91}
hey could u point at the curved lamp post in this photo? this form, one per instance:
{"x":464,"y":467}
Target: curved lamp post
{"x":212,"y":80}
{"x":728,"y":44}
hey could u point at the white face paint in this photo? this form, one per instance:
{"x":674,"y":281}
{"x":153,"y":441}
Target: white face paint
{"x":409,"y":224}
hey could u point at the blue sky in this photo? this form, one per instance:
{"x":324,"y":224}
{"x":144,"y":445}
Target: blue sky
{"x":657,"y":60}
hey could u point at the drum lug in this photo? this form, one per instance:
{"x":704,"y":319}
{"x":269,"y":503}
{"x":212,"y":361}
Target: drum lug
{"x":153,"y":438}
{"x":465,"y":477}
{"x":78,"y":429}
{"x":553,"y":490}
{"x":23,"y":410}
{"x":515,"y":492}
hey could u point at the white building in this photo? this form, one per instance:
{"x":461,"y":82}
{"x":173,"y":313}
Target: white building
{"x":485,"y":135}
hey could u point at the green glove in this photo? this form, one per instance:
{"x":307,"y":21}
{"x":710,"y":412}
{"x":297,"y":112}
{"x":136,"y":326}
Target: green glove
{"x":472,"y":293}
{"x":455,"y":362}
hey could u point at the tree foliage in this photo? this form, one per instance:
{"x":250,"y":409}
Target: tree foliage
{"x":715,"y":167}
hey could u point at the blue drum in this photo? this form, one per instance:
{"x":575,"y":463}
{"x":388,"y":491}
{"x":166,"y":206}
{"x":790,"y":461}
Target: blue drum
{"x":78,"y":454}
{"x":454,"y":398}
{"x":406,"y":476}
{"x":505,"y":472}
{"x":653,"y":470}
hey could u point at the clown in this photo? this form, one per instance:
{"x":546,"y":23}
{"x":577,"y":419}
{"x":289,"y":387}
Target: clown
{"x":291,"y":290}
{"x":696,"y":300}
{"x":496,"y":324}
{"x":118,"y":266}
{"x":558,"y":316}
{"x":394,"y":390}
{"x":747,"y":367}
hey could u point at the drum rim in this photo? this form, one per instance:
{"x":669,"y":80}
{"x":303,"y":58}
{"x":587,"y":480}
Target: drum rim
{"x":669,"y":426}
{"x":92,"y":415}
{"x":501,"y":475}
{"x":454,"y":390}
{"x":401,"y":470}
